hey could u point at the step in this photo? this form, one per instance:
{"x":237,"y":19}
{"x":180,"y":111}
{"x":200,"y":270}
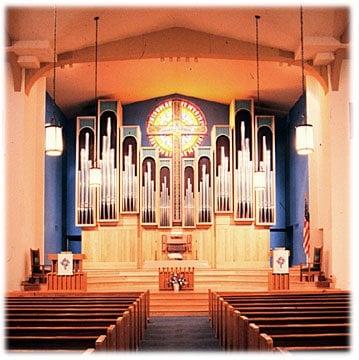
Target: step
{"x":178,"y":313}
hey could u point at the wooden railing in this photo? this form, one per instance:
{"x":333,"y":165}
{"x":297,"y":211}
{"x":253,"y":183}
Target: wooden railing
{"x":165,"y":275}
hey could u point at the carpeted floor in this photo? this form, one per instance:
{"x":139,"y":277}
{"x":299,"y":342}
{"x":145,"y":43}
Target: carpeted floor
{"x":185,"y":333}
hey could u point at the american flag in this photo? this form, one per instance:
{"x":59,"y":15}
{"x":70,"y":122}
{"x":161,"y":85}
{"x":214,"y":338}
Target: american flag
{"x":306,"y":229}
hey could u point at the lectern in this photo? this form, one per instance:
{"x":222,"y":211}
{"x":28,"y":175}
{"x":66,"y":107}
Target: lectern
{"x":77,"y":281}
{"x":278,"y":278}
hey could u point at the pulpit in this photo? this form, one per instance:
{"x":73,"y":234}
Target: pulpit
{"x":67,"y":272}
{"x":278,"y":278}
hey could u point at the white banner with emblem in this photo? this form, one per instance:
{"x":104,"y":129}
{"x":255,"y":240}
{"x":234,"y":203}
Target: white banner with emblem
{"x":65,"y":264}
{"x":280,"y":261}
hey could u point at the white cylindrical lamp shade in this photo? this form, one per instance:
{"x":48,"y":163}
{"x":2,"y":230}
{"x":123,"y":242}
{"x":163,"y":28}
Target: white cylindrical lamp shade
{"x":259,"y":180}
{"x":95,"y":176}
{"x":304,"y":139}
{"x":53,"y":140}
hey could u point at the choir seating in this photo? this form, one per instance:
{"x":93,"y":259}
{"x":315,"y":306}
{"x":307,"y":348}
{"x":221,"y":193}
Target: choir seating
{"x":38,"y":271}
{"x":281,"y":321}
{"x":76,"y":322}
{"x":312,"y":269}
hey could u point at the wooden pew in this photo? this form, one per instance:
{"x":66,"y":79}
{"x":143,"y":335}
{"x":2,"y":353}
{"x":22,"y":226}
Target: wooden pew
{"x":225,"y":316}
{"x":291,"y":349}
{"x":320,"y":330}
{"x":131,"y":325}
{"x":240,"y":323}
{"x":267,"y":297}
{"x":304,"y":341}
{"x":101,"y":343}
{"x":70,"y":342}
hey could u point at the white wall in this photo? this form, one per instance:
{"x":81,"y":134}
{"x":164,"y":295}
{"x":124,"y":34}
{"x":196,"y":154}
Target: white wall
{"x":340,"y":177}
{"x":24,"y":178}
{"x":329,"y":173}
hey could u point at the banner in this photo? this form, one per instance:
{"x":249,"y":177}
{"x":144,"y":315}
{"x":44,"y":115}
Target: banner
{"x":280,"y":261}
{"x":65,"y":264}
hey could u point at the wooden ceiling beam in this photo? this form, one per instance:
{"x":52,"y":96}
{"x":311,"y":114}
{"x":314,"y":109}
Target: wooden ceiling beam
{"x":173,"y":42}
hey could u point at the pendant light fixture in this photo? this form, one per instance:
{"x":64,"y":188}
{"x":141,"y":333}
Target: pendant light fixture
{"x":304,"y":131}
{"x":95,"y":171}
{"x":259,"y":180}
{"x":53,"y":130}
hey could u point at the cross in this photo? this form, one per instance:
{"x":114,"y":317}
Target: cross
{"x":65,"y":263}
{"x":176,"y":129}
{"x":280,"y":261}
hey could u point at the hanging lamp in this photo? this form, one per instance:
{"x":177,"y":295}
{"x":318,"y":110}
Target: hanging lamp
{"x":95,"y":171}
{"x":259,"y":179}
{"x":53,"y":130}
{"x":304,"y":132}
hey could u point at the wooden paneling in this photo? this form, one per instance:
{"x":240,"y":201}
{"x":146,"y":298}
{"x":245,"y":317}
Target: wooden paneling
{"x":116,"y":245}
{"x":240,"y":247}
{"x":223,"y":246}
{"x":204,"y":245}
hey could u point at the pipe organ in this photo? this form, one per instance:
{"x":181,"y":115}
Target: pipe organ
{"x":108,"y":160}
{"x":204,"y":185}
{"x":208,"y":180}
{"x":148,"y":191}
{"x":243,"y":160}
{"x":165,"y":180}
{"x":221,"y":141}
{"x":265,"y":144}
{"x":85,"y":155}
{"x":188,"y":200}
{"x":130,"y":137}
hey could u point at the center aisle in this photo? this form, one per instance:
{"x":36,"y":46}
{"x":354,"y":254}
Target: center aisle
{"x":184,"y":333}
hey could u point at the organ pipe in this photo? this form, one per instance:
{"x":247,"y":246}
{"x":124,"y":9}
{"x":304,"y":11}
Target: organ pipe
{"x":244,"y":179}
{"x":223,"y":183}
{"x":108,"y":208}
{"x":165,"y":203}
{"x":85,"y":212}
{"x":266,"y":195}
{"x":205,"y":199}
{"x":189,"y":204}
{"x":129,"y":183}
{"x":148,"y":196}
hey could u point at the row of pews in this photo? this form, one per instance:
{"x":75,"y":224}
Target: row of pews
{"x":281,"y":321}
{"x":83,"y":322}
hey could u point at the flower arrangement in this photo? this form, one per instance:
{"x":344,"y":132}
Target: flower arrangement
{"x":177,"y":279}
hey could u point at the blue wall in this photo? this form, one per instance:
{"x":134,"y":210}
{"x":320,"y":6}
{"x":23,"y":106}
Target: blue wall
{"x":137,"y":113}
{"x":70,"y":134}
{"x":55,"y":188}
{"x":278,"y":233}
{"x":296,"y":185}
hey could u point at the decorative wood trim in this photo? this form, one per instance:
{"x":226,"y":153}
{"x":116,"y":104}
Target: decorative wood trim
{"x":16,"y":71}
{"x":336,"y":66}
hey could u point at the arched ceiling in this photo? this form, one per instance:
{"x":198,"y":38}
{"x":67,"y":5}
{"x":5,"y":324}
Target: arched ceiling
{"x":214,"y":79}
